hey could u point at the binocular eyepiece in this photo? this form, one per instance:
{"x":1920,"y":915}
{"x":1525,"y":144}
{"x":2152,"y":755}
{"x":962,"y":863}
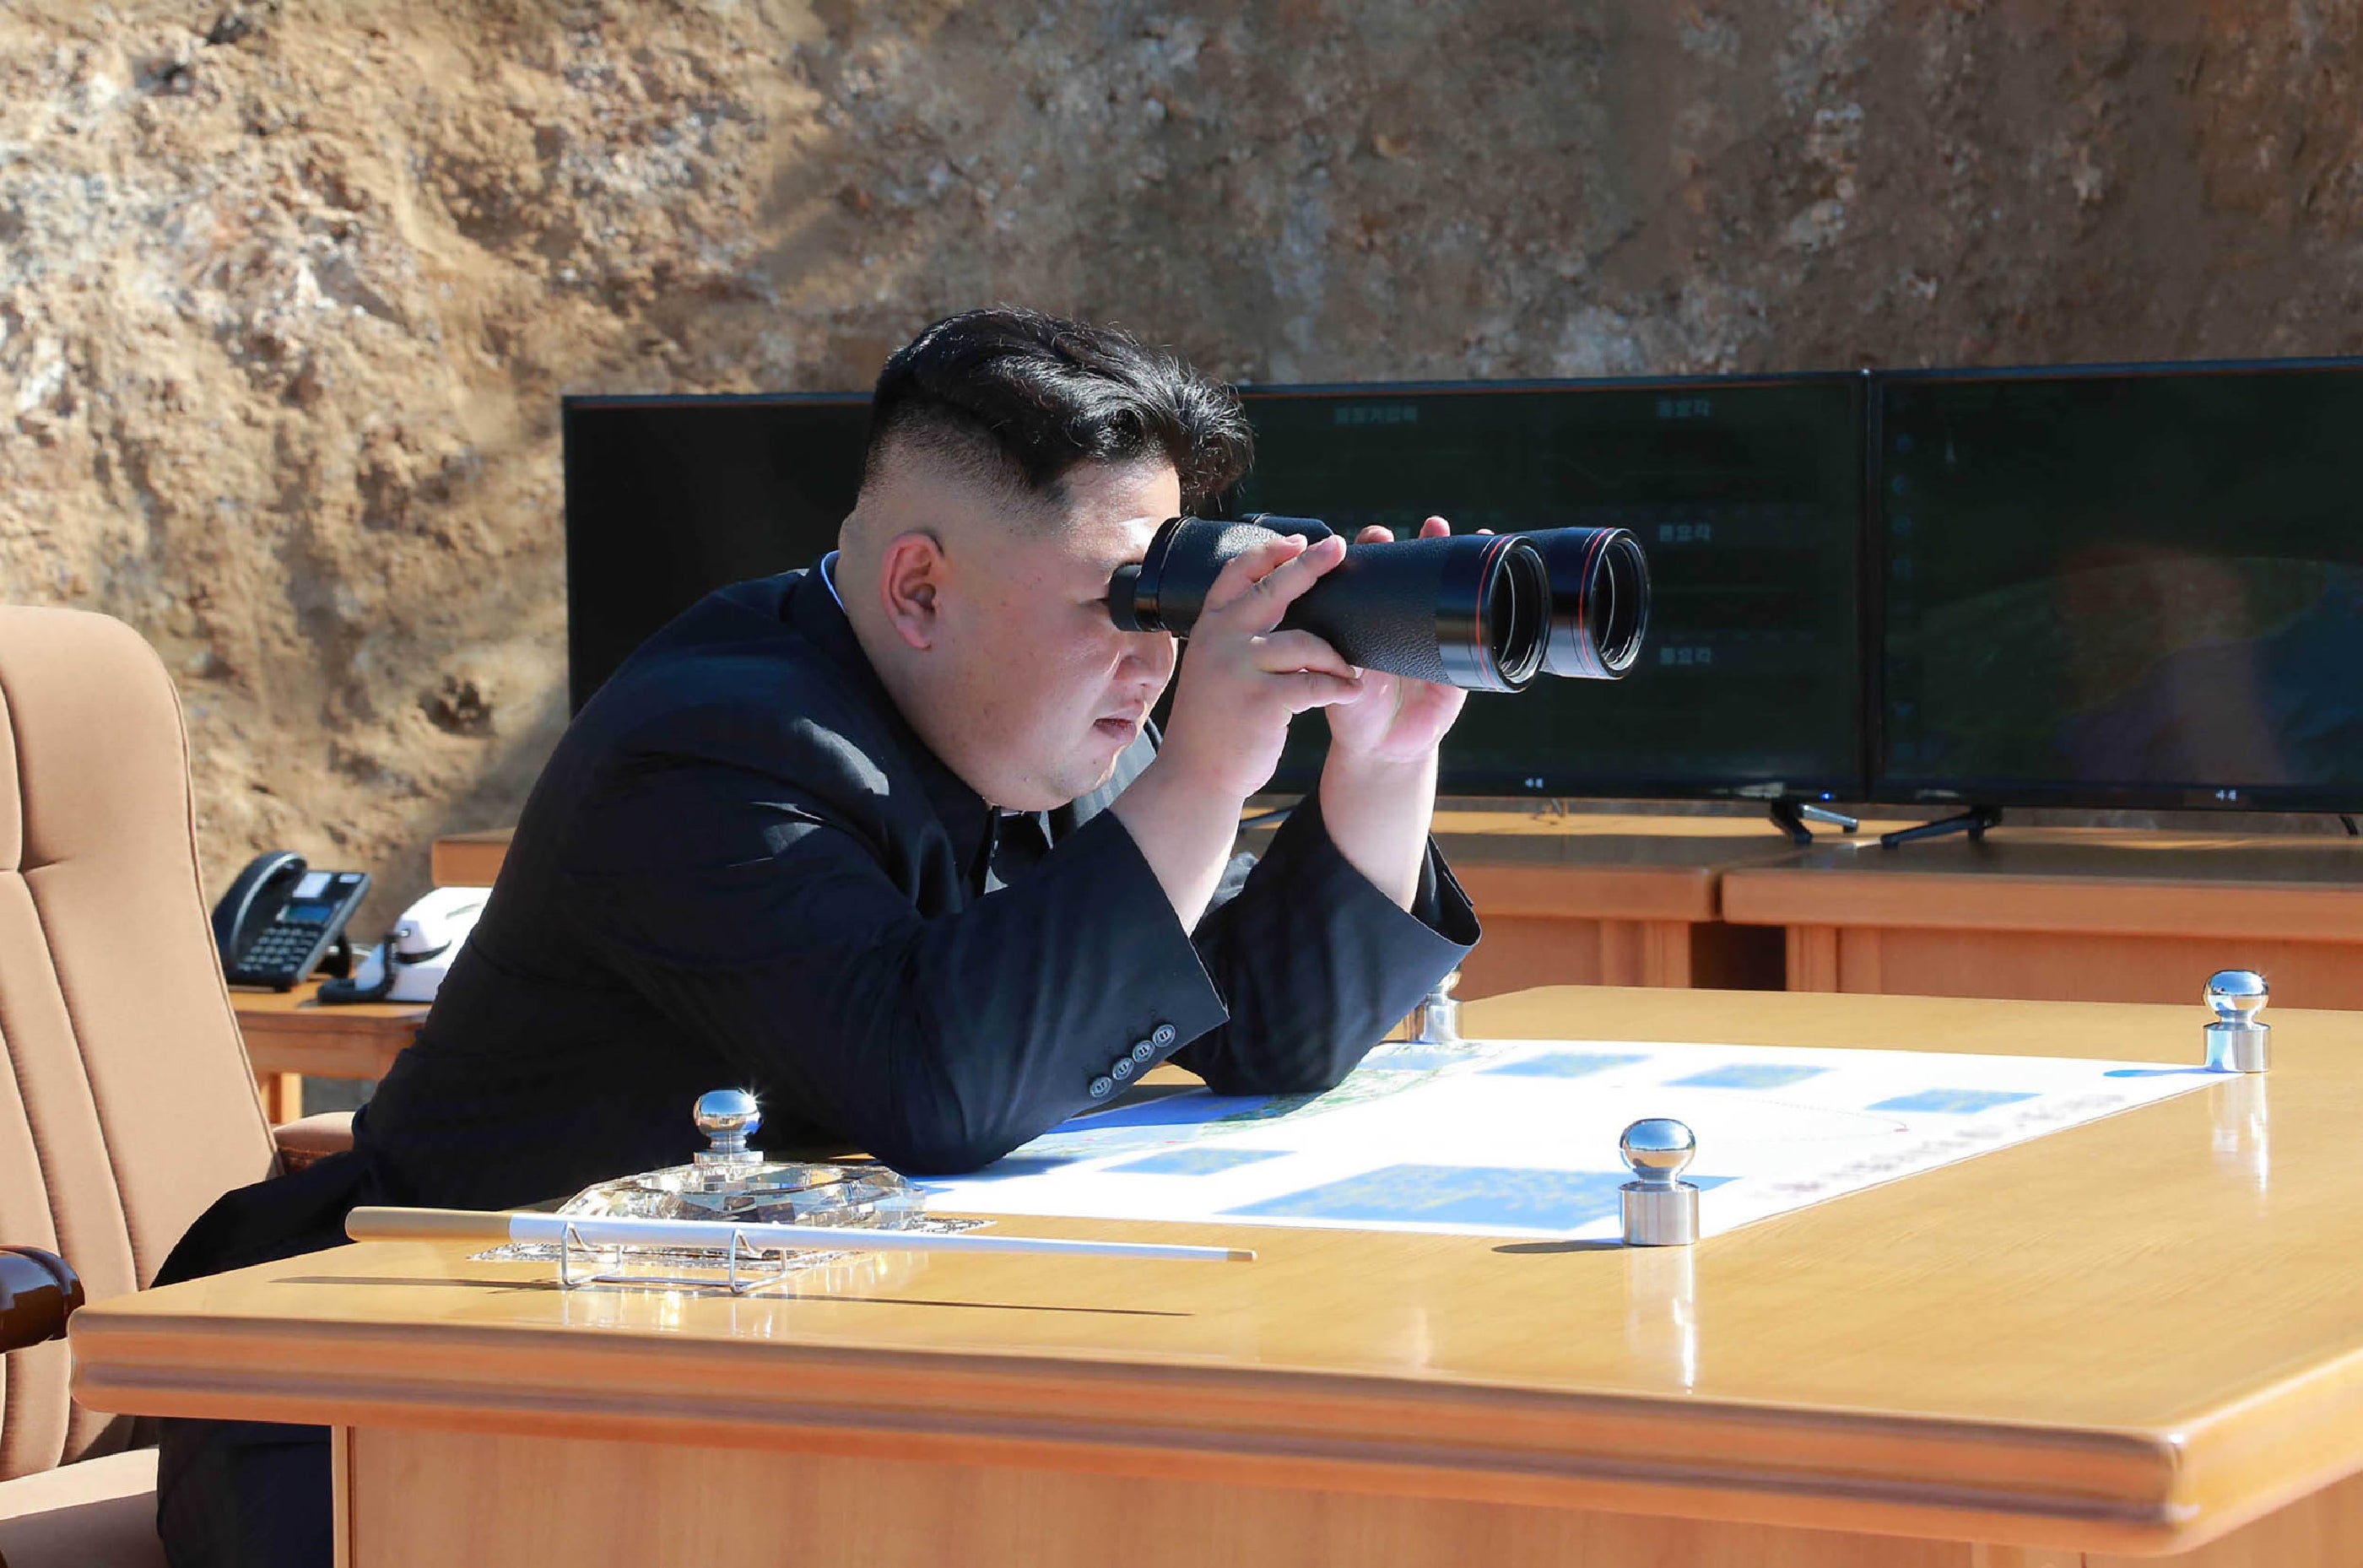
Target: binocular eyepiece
{"x":1489,"y":612}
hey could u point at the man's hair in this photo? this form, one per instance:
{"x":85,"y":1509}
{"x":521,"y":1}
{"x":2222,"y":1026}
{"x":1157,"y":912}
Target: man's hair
{"x":1025,"y":397}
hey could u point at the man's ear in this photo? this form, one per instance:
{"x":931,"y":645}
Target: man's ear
{"x":909,"y":579}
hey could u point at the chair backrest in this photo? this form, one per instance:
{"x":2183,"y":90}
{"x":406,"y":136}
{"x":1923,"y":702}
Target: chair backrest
{"x":128,"y":1106}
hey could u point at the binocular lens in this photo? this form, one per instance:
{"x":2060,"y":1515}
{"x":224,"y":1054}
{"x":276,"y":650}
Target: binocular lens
{"x":1487,"y":612}
{"x":1599,"y":601}
{"x":1505,"y":648}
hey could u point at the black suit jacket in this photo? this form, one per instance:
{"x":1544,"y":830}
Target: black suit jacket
{"x":742,"y":868}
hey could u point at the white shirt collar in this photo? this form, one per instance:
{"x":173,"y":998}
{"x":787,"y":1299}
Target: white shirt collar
{"x":828,"y":575}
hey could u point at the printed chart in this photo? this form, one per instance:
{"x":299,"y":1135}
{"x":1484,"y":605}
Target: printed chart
{"x":1519,"y":1138}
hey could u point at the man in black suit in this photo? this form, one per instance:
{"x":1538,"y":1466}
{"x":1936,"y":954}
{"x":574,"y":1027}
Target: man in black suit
{"x":888,"y":841}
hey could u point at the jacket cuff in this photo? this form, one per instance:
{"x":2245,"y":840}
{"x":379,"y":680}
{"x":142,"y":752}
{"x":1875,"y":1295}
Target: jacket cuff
{"x":1439,"y":927}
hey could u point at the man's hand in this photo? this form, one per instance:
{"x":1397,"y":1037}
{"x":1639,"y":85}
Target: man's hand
{"x":1378,"y":788}
{"x":1241,"y":684}
{"x":1394,"y":718}
{"x":1244,"y":678}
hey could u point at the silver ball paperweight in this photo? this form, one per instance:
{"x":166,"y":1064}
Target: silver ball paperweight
{"x":728,"y":1117}
{"x":1437,"y":1020}
{"x":1660,"y":1208}
{"x":731,"y":1180}
{"x":2237,"y":1041}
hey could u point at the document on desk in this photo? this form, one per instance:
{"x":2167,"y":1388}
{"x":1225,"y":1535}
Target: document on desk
{"x":1519,"y":1138}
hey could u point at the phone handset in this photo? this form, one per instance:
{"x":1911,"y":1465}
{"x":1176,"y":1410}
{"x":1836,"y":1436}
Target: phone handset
{"x":371,"y":979}
{"x":244,"y":911}
{"x":409,"y":965}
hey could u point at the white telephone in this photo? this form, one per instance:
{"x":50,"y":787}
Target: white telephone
{"x":409,"y":965}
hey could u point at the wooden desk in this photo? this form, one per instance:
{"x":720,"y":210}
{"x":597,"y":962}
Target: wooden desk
{"x":2066,"y":913}
{"x":2136,"y":1335}
{"x":469,"y":859}
{"x":288,"y":1034}
{"x":1609,"y":900}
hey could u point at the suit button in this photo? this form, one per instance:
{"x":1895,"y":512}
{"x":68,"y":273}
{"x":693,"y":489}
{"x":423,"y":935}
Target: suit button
{"x":1103,"y":1088}
{"x":1161,"y":1036}
{"x":1120,"y":1069}
{"x":1142,"y":1049}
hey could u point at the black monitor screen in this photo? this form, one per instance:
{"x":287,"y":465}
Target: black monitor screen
{"x":2123,"y":588}
{"x":669,"y":498}
{"x":1746,"y":496}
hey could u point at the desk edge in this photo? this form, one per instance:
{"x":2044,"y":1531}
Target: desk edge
{"x":2089,"y":1487}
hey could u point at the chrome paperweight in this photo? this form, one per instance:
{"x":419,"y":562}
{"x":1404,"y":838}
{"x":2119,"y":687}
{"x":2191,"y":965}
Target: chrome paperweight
{"x":1660,"y":1209}
{"x":2237,"y":1042}
{"x":1437,"y":1020}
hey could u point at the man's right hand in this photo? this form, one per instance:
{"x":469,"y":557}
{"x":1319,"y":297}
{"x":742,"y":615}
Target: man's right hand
{"x":1243,"y":680}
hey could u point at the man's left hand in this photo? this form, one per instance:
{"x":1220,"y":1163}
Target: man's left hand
{"x":1394,"y":718}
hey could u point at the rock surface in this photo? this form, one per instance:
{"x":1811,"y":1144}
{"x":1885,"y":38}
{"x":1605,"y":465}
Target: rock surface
{"x":289,"y":291}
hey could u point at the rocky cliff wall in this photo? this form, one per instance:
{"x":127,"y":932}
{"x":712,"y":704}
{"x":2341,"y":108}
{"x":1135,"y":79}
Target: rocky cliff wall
{"x":289,"y":292}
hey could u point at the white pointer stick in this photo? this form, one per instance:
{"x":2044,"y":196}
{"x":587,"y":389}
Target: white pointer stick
{"x":467,"y":1225}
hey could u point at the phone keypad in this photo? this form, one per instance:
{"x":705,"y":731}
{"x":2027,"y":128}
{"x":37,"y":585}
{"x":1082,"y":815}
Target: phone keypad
{"x":280,"y":947}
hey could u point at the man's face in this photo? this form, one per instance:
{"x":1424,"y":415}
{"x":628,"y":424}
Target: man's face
{"x":1039,"y":693}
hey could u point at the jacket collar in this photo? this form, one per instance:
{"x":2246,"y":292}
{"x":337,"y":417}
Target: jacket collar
{"x":812,"y":608}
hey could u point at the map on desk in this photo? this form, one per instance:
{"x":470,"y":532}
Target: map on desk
{"x":1519,"y":1138}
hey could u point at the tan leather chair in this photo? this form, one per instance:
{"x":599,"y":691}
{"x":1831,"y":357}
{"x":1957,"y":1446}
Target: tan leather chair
{"x":128,"y":1105}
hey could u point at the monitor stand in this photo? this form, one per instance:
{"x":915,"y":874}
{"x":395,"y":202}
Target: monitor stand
{"x":1790,"y":817}
{"x":1974,"y":822}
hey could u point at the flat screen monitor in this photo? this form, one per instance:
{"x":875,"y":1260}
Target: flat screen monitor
{"x":1746,"y":495}
{"x":2134,"y":587}
{"x":669,"y":498}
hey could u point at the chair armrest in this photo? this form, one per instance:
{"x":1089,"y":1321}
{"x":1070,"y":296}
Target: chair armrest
{"x":38,"y":1292}
{"x":313,"y":1138}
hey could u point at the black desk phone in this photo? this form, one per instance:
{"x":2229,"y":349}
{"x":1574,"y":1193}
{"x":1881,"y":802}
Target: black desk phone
{"x":281,"y":918}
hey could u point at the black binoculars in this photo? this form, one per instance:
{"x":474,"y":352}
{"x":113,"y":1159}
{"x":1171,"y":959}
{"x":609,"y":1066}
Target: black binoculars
{"x":1489,"y":612}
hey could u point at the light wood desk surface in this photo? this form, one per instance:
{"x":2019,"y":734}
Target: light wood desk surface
{"x":2064,"y":913}
{"x":2134,"y":1336}
{"x":289,"y":1034}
